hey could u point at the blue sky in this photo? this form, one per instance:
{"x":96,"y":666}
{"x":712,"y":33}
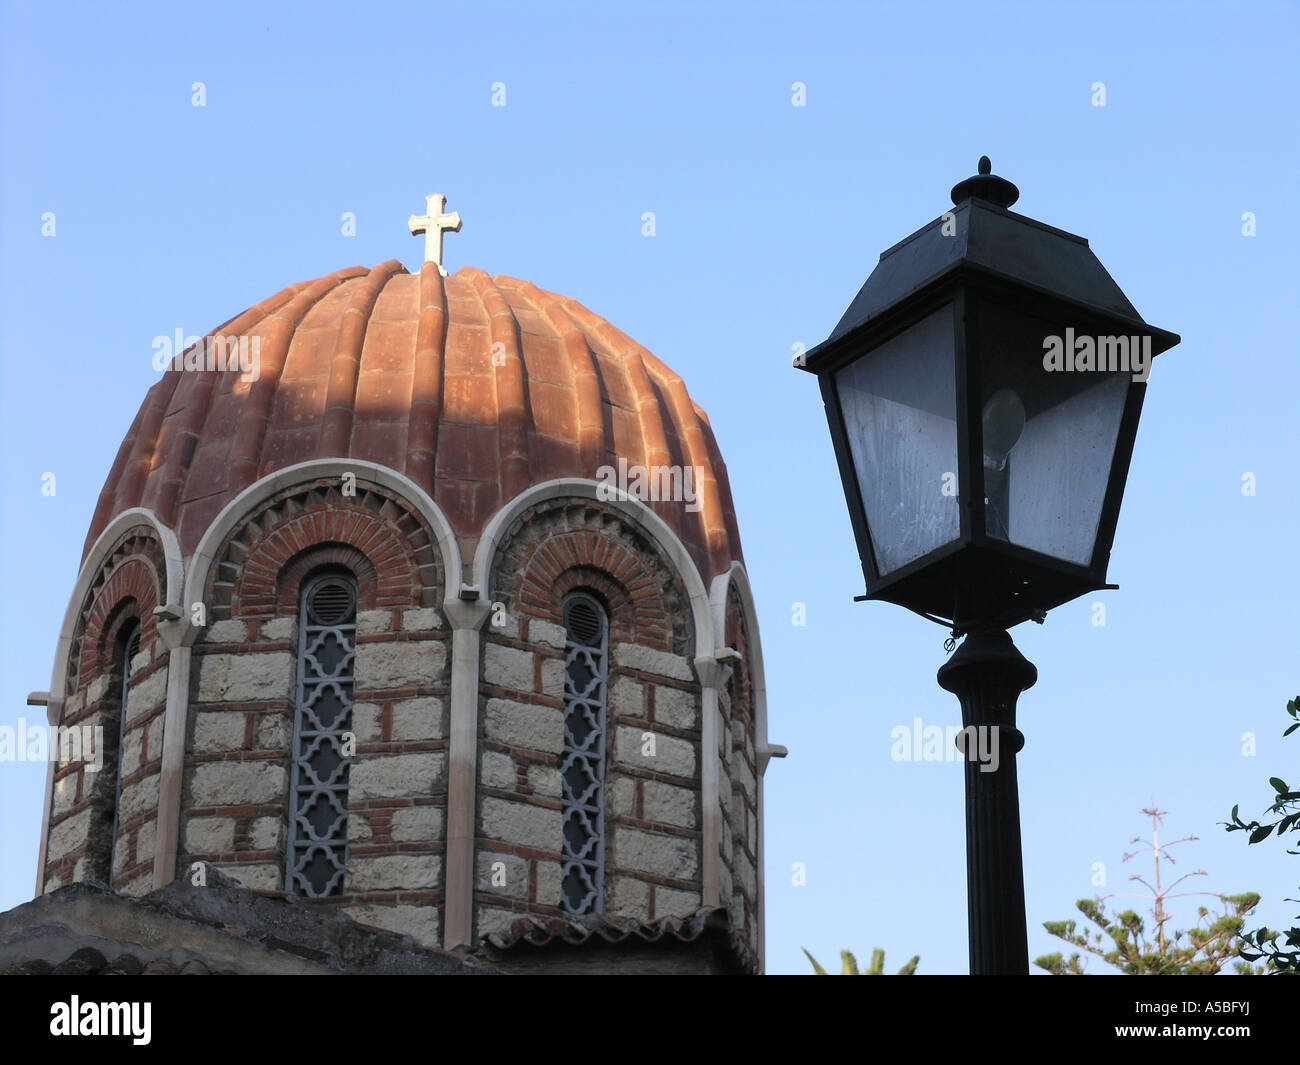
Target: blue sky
{"x":768,"y":219}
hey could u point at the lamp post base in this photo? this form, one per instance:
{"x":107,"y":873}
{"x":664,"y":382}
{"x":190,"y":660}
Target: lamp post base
{"x":987,"y":674}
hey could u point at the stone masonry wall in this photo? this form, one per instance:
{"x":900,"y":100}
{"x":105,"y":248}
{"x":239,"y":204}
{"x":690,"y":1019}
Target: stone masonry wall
{"x":652,"y":810}
{"x":244,"y":686}
{"x":78,"y":845}
{"x":739,"y":787}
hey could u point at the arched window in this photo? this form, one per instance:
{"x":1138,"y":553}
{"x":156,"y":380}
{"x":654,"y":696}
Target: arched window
{"x":582,"y":766}
{"x":318,"y":795}
{"x":127,"y":647}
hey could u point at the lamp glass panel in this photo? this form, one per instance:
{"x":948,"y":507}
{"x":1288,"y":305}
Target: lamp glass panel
{"x":1049,"y":434}
{"x":900,"y":414}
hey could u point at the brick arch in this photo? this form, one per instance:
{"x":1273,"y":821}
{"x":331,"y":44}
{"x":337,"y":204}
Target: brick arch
{"x":289,"y":581}
{"x":131,"y":572}
{"x":386,"y":543}
{"x":554,"y":548}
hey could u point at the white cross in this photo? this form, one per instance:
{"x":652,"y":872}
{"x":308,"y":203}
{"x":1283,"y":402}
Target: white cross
{"x":432,"y":225}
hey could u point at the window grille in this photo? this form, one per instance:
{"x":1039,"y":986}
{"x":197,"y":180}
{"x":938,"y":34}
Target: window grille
{"x":318,"y":796}
{"x":582,"y":766}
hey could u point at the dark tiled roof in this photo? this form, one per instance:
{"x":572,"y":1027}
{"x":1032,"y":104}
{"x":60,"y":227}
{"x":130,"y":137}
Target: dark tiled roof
{"x":86,"y":929}
{"x":711,"y":925}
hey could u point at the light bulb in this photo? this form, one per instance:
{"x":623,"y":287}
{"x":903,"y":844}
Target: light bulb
{"x":1004,"y":421}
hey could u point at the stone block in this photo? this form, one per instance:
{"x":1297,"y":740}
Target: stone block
{"x":132,"y":750}
{"x":648,"y":852}
{"x":501,"y":874}
{"x":497,"y":770}
{"x":668,"y":804}
{"x":237,"y":783}
{"x":396,"y":776}
{"x":399,"y":665}
{"x":230,"y":630}
{"x":68,"y":835}
{"x":256,"y":876}
{"x":670,"y":755}
{"x":547,"y":634}
{"x":368,"y":722}
{"x":146,"y":840}
{"x":520,"y":823}
{"x":418,"y":922}
{"x":627,"y":698}
{"x":652,"y":660}
{"x":622,"y":795}
{"x":676,"y":708}
{"x":209,"y":835}
{"x":138,"y":798}
{"x":422,"y":619}
{"x":273,"y":731}
{"x":417,"y":824}
{"x":548,"y":883}
{"x":264,"y":833}
{"x":417,"y":719}
{"x":628,"y":897}
{"x":373,"y":622}
{"x":535,"y":728}
{"x":148,"y":694}
{"x":553,"y":678}
{"x":507,"y":667}
{"x":393,"y":872}
{"x":246,"y":677}
{"x":279,"y":630}
{"x":489,"y":920}
{"x":672,"y":903}
{"x":219,"y":731}
{"x":545,"y":780}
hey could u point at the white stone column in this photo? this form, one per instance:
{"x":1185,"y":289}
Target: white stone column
{"x":53,"y":714}
{"x":466,"y":616}
{"x":178,"y":635}
{"x":713,"y":674}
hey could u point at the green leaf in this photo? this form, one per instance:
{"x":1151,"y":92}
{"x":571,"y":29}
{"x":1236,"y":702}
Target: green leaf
{"x":1260,"y":833}
{"x":1279,"y":785}
{"x":817,"y":968}
{"x":1291,"y":728}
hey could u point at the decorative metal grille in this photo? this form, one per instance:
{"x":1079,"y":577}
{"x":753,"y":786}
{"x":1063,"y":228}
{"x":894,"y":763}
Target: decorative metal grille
{"x":130,"y":648}
{"x":318,"y":797}
{"x":582,"y":768}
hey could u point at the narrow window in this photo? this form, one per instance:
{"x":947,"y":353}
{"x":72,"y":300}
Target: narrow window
{"x":582,"y":766}
{"x":128,"y":647}
{"x":318,"y":797}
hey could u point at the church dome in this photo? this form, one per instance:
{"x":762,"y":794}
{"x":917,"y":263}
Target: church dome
{"x":364,"y":628}
{"x":475,"y":387}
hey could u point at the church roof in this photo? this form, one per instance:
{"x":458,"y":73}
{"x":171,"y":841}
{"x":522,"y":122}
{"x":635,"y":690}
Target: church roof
{"x":545,"y":944}
{"x":476,"y":387}
{"x":221,"y":927}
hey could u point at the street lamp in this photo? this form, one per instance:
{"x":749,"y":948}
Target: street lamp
{"x":983,"y":392}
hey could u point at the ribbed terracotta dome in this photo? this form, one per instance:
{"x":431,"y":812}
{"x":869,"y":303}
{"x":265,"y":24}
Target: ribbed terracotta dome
{"x":398,"y":368}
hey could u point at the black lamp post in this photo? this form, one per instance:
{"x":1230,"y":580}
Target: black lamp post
{"x":983,"y":392}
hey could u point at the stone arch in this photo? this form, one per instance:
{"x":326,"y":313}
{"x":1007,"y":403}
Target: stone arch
{"x":557,"y":546}
{"x":136,"y":537}
{"x":658,"y":531}
{"x":388,"y":542}
{"x":250,"y":498}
